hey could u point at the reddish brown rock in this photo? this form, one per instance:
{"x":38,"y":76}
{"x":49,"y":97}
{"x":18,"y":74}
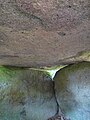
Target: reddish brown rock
{"x":41,"y":33}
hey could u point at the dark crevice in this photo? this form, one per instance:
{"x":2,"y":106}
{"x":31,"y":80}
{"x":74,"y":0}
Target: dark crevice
{"x":59,"y":115}
{"x":55,"y":97}
{"x":23,"y":114}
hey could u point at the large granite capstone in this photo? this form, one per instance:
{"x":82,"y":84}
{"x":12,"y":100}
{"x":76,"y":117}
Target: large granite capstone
{"x":37,"y":33}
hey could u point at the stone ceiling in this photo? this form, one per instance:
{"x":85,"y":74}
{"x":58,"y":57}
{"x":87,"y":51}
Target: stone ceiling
{"x":38,"y":33}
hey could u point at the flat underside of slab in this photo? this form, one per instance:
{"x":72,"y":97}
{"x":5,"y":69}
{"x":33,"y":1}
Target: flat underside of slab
{"x":40,"y":33}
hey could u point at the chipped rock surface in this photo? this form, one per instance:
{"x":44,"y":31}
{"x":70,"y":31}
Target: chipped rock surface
{"x":37,"y":33}
{"x":72,"y":87}
{"x":26,"y":95}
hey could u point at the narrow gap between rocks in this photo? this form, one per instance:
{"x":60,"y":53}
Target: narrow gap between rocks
{"x":59,"y":114}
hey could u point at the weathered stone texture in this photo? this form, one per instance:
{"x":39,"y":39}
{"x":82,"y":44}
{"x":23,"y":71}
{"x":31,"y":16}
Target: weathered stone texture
{"x":40,"y":33}
{"x":26,"y":95}
{"x":72,"y":87}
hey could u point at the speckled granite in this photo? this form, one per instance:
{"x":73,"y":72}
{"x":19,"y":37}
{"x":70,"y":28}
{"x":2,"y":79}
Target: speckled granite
{"x":39,"y":33}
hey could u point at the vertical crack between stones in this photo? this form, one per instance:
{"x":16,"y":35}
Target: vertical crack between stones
{"x":59,"y":114}
{"x":55,"y":98}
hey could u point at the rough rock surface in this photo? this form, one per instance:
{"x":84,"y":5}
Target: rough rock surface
{"x":38,"y":33}
{"x":72,"y":87}
{"x":26,"y":95}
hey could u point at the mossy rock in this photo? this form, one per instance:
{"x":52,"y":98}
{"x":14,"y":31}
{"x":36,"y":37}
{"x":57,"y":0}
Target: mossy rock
{"x":26,"y":94}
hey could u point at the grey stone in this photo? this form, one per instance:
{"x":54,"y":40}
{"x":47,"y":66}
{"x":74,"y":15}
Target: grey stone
{"x":26,"y":94}
{"x":72,"y":87}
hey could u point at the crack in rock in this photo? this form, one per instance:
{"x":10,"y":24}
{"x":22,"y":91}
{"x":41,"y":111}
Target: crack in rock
{"x":59,"y":114}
